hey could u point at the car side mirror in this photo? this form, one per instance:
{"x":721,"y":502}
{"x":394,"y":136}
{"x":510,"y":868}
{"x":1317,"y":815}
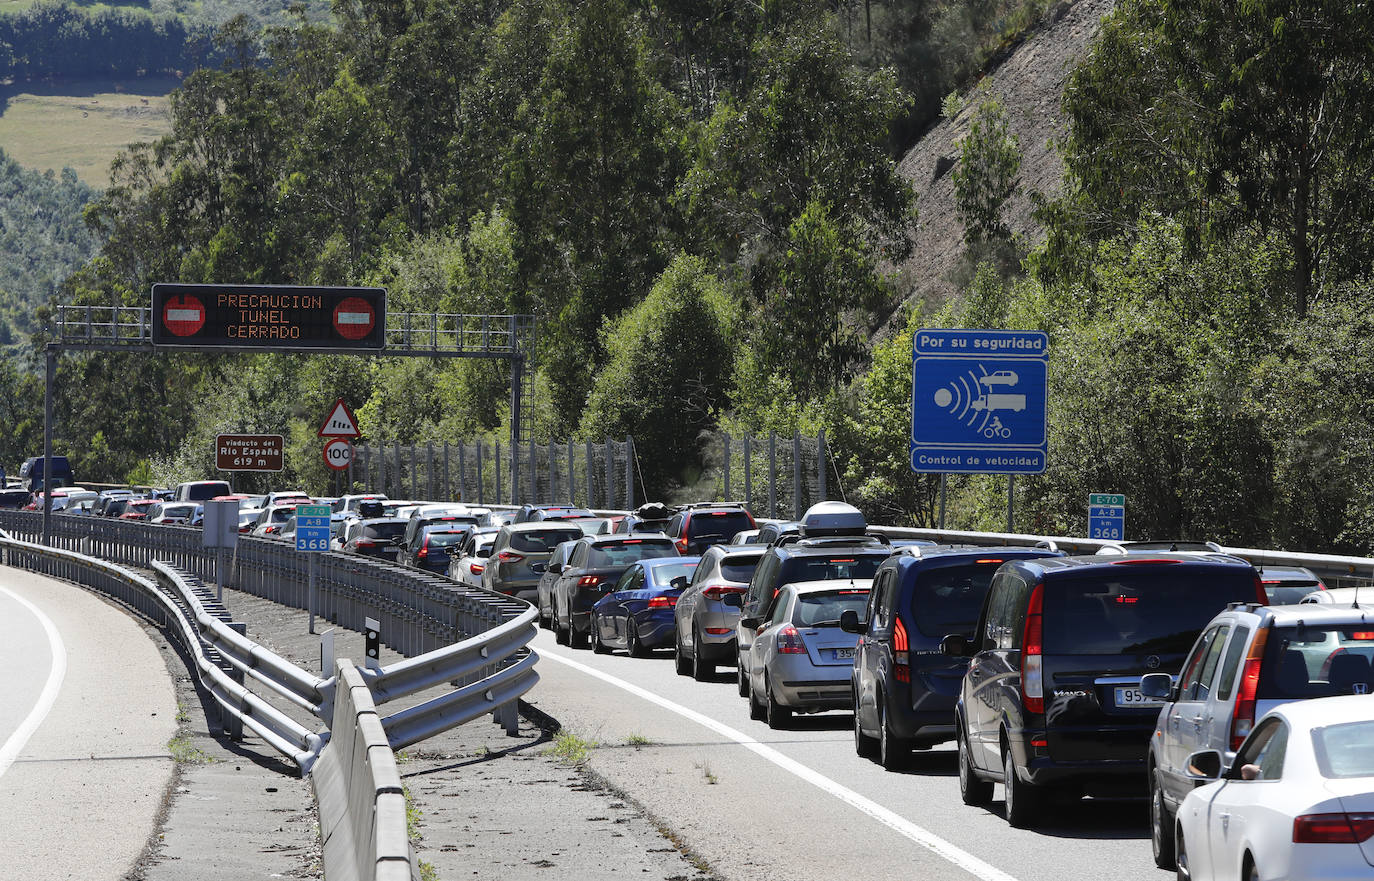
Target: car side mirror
{"x":849,"y":622}
{"x":539,"y":567}
{"x":733,"y":600}
{"x":1204,"y":765}
{"x":1159,"y":686}
{"x":679,"y":582}
{"x":555,"y":568}
{"x":751,"y":622}
{"x":956,"y":646}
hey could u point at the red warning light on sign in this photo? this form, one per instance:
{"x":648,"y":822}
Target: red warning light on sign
{"x":184,"y":315}
{"x":354,"y":318}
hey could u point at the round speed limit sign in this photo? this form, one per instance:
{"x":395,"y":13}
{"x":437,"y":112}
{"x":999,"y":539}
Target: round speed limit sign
{"x":338,"y":453}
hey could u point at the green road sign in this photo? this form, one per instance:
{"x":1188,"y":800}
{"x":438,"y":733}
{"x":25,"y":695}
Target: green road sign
{"x":1113,"y":499}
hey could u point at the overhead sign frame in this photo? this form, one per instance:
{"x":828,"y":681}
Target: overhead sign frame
{"x":271,"y":317}
{"x":979,"y":401}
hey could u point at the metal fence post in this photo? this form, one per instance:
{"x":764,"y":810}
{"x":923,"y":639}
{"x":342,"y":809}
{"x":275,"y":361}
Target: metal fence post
{"x":448,"y":486}
{"x":629,"y":473}
{"x":553,"y":473}
{"x":429,"y":470}
{"x":772,"y":474}
{"x":591,"y":491}
{"x":748,"y":473}
{"x":414,"y":471}
{"x":610,"y":474}
{"x":533,"y":492}
{"x":726,"y":469}
{"x":400,"y":484}
{"x":462,"y":474}
{"x":796,"y":475}
{"x":820,"y":465}
{"x":572,"y":475}
{"x":498,"y":469}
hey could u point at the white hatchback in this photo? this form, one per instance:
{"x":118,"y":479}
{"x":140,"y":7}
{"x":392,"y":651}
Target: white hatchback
{"x":1297,"y":802}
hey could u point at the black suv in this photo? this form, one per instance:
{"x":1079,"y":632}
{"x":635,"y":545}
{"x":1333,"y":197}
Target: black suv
{"x":1052,"y":698}
{"x":904,"y":689}
{"x":697,"y":527}
{"x":594,"y":565}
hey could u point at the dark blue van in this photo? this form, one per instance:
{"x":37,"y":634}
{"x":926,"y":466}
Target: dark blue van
{"x":31,"y":473}
{"x":904,"y":688}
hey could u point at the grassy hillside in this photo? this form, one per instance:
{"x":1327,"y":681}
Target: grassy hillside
{"x":82,"y":124}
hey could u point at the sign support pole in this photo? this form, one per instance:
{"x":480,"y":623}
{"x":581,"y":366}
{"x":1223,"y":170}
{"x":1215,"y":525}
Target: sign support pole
{"x":944,"y":479}
{"x":1011,"y":498}
{"x":310,"y":600}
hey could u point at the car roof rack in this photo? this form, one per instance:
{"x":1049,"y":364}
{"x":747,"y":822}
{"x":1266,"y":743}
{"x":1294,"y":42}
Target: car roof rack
{"x":690,"y":505}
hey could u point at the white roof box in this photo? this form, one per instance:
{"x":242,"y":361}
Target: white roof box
{"x":832,"y":518}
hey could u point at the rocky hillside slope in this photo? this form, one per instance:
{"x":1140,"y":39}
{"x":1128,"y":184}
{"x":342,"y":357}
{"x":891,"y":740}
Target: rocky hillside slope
{"x":1029,"y":84}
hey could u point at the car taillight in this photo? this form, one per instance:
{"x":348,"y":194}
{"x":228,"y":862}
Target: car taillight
{"x":662,"y":602}
{"x":1032,"y":669}
{"x":509,"y":557}
{"x":476,"y":568}
{"x":1244,"y":719}
{"x":1332,"y":828}
{"x":422,"y":554}
{"x":790,"y":641}
{"x":718,"y":591}
{"x":589,"y":581}
{"x":719,"y":631}
{"x":1262,"y":596}
{"x":901,"y":669}
{"x":681,"y":545}
{"x":364,"y":543}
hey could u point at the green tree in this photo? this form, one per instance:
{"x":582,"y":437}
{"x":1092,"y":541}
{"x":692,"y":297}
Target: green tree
{"x":989,"y":162}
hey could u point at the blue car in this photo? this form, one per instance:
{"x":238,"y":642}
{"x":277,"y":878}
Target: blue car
{"x":637,"y":615}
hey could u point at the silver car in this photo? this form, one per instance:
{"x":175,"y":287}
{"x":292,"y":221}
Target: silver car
{"x":801,"y":660}
{"x":470,"y":562}
{"x":705,"y":624}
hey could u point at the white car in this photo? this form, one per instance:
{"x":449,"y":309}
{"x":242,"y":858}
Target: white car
{"x":1297,"y":803}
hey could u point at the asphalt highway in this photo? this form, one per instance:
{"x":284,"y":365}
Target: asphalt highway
{"x":760,"y":804}
{"x":86,"y":712}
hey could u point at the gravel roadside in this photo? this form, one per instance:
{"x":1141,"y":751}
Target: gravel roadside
{"x":482,"y":804}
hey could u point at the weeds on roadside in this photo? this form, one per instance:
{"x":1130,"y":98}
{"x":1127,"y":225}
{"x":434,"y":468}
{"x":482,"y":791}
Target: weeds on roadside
{"x":569,"y":748}
{"x":638,"y":740}
{"x":184,"y":752}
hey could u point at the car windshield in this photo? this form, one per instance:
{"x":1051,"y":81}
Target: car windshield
{"x":1154,"y":607}
{"x":622,"y":553}
{"x":948,"y":599}
{"x":1343,"y":750}
{"x":543,"y":541}
{"x":825,"y":608}
{"x":384,"y":531}
{"x":1317,"y":661}
{"x":739,"y":568}
{"x":664,"y":575}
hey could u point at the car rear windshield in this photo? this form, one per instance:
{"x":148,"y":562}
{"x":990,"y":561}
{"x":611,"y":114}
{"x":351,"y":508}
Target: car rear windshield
{"x":740,"y":567}
{"x":622,"y":553}
{"x":543,"y":541}
{"x":664,"y":575}
{"x":948,"y":599}
{"x":825,"y":608}
{"x":1289,"y":593}
{"x":717,"y":524}
{"x":444,"y":539}
{"x":384,"y":531}
{"x":202,"y":492}
{"x":1154,"y":607}
{"x":1317,"y":661}
{"x":829,"y":568}
{"x":1343,"y":750}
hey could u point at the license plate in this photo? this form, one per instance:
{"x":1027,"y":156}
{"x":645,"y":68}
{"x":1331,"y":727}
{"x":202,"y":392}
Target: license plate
{"x":843,"y":654}
{"x":1132,"y":697}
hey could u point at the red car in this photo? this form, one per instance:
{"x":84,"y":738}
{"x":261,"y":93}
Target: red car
{"x":137,"y":509}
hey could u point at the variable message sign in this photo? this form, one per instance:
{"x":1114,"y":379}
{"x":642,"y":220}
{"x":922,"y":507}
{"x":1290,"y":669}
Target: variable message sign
{"x":268,"y":316}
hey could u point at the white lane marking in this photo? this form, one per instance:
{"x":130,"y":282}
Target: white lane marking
{"x":10,"y":750}
{"x":355,"y":318}
{"x":919,"y":834}
{"x":183,"y":314}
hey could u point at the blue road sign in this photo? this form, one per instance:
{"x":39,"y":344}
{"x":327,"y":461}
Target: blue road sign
{"x":1107,"y":516}
{"x":978,"y":401}
{"x":312,"y":528}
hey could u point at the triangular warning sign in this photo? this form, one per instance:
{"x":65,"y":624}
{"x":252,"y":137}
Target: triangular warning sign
{"x":340,"y":422}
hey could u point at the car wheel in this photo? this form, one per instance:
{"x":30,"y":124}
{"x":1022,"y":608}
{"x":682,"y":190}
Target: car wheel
{"x":776,"y":714}
{"x":681,"y":662}
{"x":560,"y":635}
{"x":741,"y":678}
{"x":598,"y":647}
{"x":1021,"y":798}
{"x":702,"y":669}
{"x":1254,"y":873}
{"x":1161,"y":826}
{"x":893,"y":751}
{"x":546,"y":620}
{"x":575,"y":639}
{"x":974,"y":790}
{"x":633,"y":647}
{"x":1181,"y":871}
{"x":756,"y":709}
{"x":865,"y":746}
